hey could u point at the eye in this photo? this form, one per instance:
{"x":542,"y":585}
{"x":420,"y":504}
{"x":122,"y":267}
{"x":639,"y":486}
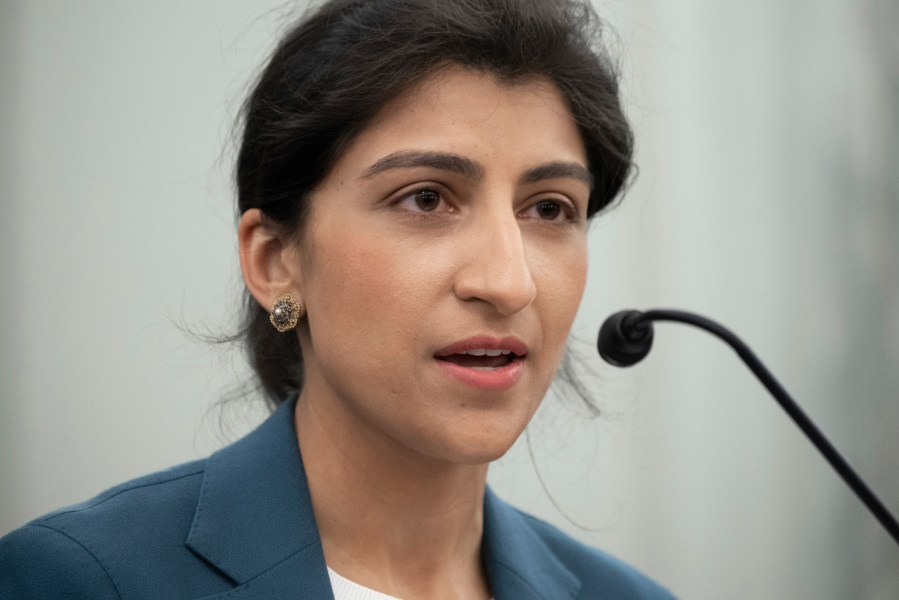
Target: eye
{"x":422,"y":200}
{"x":426,"y":200}
{"x":557,"y":211}
{"x":548,"y":209}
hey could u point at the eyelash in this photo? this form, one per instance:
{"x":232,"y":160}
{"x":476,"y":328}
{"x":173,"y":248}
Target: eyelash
{"x":567,"y":209}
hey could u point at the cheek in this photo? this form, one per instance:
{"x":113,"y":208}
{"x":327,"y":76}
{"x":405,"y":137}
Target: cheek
{"x":561,"y":277}
{"x":365,"y":289}
{"x":341,"y":279}
{"x":560,"y":288}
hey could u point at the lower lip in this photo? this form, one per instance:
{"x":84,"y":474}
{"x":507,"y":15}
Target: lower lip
{"x":500,"y":378}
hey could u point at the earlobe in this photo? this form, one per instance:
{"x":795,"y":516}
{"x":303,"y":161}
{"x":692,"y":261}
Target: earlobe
{"x":265,"y":260}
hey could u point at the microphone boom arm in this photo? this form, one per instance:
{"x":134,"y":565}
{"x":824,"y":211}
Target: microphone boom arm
{"x":633,"y":328}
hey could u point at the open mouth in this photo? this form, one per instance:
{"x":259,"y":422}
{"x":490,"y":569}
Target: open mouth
{"x":482,"y":359}
{"x":484,"y":362}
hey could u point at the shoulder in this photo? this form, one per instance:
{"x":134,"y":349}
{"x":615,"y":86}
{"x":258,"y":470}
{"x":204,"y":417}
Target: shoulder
{"x":596,"y":569}
{"x":154,"y":506}
{"x":40,"y":562}
{"x":87,"y":550}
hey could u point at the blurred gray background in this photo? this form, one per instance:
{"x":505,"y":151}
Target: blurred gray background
{"x":768,"y":198}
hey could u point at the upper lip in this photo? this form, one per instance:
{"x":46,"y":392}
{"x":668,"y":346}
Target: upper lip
{"x":484,"y":342}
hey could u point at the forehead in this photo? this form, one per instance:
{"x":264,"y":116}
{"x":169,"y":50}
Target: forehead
{"x":473,"y":112}
{"x":473,"y":95}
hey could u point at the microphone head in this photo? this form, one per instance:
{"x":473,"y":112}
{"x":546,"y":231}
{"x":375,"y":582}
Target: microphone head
{"x":625,"y":338}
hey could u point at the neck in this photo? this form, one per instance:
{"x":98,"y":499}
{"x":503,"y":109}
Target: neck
{"x":390,"y":519}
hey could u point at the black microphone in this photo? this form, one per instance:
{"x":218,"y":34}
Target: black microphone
{"x":625,"y":339}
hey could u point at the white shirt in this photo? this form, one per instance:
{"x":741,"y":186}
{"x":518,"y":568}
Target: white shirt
{"x":344,"y":589}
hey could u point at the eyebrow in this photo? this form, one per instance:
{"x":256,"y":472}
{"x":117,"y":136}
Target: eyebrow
{"x":408,"y":159}
{"x":555,"y":170}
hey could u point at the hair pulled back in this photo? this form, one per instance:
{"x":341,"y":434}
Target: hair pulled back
{"x":337,"y":67}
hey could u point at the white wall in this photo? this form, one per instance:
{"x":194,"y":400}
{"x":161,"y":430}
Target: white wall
{"x":767,"y":198}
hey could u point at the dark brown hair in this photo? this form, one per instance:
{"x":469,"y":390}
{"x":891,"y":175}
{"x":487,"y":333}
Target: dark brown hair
{"x":335,"y":68}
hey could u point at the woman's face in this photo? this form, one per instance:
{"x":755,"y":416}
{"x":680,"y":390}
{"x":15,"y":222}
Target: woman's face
{"x":442,"y":266}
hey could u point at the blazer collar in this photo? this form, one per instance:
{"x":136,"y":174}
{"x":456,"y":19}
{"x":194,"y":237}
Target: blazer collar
{"x":519,"y":563}
{"x":254,"y":522}
{"x":254,"y":517}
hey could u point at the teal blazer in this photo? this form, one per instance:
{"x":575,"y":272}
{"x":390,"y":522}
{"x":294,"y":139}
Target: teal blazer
{"x":239,"y":526}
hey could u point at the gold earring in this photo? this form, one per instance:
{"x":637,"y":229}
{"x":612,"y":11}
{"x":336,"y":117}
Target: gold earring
{"x":286,"y":311}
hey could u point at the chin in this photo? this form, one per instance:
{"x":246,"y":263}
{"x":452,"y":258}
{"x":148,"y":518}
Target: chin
{"x":477,"y":447}
{"x":481,"y":456}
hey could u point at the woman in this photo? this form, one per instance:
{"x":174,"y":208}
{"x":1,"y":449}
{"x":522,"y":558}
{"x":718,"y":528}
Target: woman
{"x":415,"y":180}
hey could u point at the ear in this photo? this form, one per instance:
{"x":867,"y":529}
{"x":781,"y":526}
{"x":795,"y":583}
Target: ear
{"x":269,"y":263}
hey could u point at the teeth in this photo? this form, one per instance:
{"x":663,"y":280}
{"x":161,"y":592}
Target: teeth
{"x":484,"y":352}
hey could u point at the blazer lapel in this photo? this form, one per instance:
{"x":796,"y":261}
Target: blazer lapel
{"x":519,"y":563}
{"x":254,"y":519}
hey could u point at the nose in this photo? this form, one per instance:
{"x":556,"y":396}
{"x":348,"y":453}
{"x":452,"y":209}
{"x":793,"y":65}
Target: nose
{"x":495,"y":268}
